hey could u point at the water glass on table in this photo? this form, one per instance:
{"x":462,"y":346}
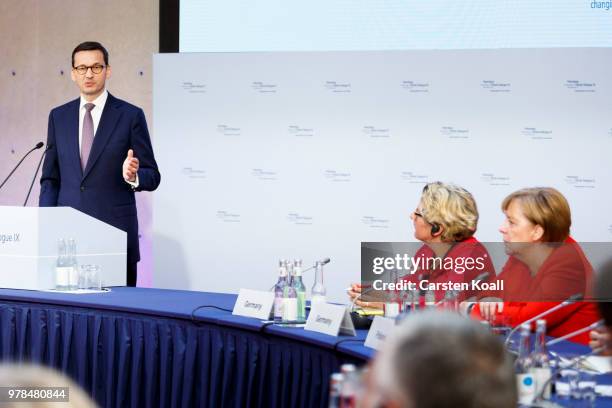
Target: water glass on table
{"x":89,"y":277}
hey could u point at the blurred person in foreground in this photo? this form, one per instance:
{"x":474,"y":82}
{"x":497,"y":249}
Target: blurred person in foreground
{"x":445,"y":220}
{"x":29,"y":376}
{"x":439,"y":359}
{"x":546,"y":266}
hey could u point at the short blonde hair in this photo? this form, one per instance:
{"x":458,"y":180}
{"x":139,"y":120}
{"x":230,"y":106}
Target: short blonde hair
{"x":451,"y":207}
{"x":546,"y":207}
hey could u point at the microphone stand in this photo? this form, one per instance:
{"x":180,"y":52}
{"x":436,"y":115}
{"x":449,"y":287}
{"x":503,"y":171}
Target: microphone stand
{"x":38,"y":146}
{"x":561,"y":305}
{"x":35,"y":175}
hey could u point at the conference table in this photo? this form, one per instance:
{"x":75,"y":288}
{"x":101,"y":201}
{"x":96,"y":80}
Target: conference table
{"x":140,"y":347}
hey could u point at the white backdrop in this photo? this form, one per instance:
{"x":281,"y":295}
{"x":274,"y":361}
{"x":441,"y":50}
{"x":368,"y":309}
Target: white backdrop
{"x":284,"y":155}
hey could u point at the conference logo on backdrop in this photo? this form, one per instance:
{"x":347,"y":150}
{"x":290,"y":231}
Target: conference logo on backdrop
{"x":296,"y":218}
{"x":536,"y":133}
{"x":298,"y":131}
{"x":263,"y":88}
{"x":604,"y":5}
{"x":375,"y":222}
{"x":228,"y":216}
{"x":415,"y":87}
{"x":495,"y":179}
{"x":193,"y":87}
{"x":338,"y":87}
{"x":494,"y":86}
{"x":193,"y":173}
{"x":580,"y":182}
{"x":226,"y":130}
{"x":337,"y":176}
{"x":580,"y":86}
{"x":414,"y":178}
{"x":265,"y":175}
{"x":376,"y":132}
{"x":455,"y":133}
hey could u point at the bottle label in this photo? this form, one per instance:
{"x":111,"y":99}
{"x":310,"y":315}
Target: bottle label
{"x":301,"y":306}
{"x":290,"y":309}
{"x":525,"y":385}
{"x":317,"y":299}
{"x":541,"y":376}
{"x":278,"y":307}
{"x":74,"y":277}
{"x":62,"y":276}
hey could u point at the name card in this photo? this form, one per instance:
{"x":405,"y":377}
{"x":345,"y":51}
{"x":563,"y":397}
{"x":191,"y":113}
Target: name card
{"x":254,"y":303}
{"x":330,"y":319}
{"x":380,"y":329}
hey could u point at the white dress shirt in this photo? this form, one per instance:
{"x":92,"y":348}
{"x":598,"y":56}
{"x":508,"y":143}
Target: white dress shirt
{"x":96,"y":113}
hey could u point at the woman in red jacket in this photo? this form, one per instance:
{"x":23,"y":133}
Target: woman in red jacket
{"x":546,"y":266}
{"x":445,"y":221}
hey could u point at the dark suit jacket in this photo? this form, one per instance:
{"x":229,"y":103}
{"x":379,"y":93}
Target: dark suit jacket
{"x":100,"y":189}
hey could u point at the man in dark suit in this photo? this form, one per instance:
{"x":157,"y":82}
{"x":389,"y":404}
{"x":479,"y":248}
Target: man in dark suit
{"x":99,"y":152}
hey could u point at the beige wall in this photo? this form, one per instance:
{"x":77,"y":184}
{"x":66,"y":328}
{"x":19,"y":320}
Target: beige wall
{"x":36,"y":41}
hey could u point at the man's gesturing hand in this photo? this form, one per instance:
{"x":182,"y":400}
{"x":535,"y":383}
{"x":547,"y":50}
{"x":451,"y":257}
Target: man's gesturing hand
{"x":130,"y":167}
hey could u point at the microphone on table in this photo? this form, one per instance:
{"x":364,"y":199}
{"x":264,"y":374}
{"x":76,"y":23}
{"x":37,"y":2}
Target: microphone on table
{"x":38,"y":146}
{"x":322,"y":262}
{"x":570,"y":300}
{"x":36,"y":174}
{"x":590,"y":327}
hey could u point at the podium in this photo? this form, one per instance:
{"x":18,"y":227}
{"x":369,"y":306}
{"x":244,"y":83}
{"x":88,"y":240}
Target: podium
{"x":28,"y":246}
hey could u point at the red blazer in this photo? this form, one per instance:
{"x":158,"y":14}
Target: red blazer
{"x":564,"y":273}
{"x":468,"y":248}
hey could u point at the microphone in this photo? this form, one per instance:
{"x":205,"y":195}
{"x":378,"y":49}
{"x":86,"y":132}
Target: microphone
{"x":322,"y":262}
{"x":37,"y":170}
{"x":590,"y":327}
{"x":572,"y":299}
{"x":38,"y":146}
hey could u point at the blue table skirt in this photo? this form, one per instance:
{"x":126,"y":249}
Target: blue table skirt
{"x":134,"y":359}
{"x":137,"y":347}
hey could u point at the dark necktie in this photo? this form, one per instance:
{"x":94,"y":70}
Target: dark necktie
{"x":88,"y":135}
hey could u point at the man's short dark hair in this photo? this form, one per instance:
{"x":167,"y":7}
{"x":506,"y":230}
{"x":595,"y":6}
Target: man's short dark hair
{"x":603,"y":292}
{"x":90,"y":46}
{"x":439,"y":359}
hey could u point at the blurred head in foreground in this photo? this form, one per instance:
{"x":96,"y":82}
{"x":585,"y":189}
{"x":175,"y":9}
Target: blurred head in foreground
{"x":439,"y":359}
{"x":32,"y":376}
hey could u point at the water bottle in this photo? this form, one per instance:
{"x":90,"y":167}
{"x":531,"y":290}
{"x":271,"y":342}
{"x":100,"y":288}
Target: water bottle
{"x":335,"y":390}
{"x":348,"y":392}
{"x":62,"y":269}
{"x":525,"y":381}
{"x":72,"y":264}
{"x":300,"y":290}
{"x":290,"y":301}
{"x":318,"y":289}
{"x":541,"y":362}
{"x":278,"y":292}
{"x":451,"y":301}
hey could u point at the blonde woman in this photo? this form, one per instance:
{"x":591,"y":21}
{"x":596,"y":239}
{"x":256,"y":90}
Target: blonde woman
{"x":445,"y":220}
